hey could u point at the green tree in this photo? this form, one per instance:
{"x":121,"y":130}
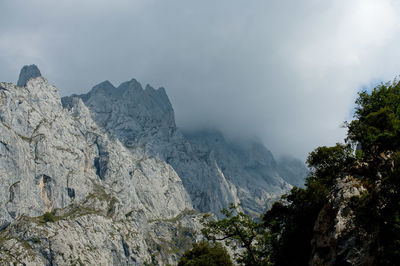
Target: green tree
{"x":291,"y":220}
{"x":248,"y":238}
{"x":49,"y":217}
{"x":204,"y":254}
{"x":377,"y":123}
{"x":328,"y":163}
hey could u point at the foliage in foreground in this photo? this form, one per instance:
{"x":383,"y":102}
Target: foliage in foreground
{"x":283,"y":236}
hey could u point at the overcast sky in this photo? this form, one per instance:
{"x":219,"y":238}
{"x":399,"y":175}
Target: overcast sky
{"x":286,"y":72}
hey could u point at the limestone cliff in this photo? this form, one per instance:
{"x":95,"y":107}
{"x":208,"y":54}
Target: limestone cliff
{"x":106,"y":178}
{"x":104,"y":197}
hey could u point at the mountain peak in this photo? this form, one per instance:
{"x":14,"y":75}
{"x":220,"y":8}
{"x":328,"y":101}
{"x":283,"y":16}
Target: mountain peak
{"x":131,"y":84}
{"x":104,"y":86}
{"x":27,"y":73}
{"x":105,"y":83}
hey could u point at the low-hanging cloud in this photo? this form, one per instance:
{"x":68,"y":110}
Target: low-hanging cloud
{"x":286,"y":72}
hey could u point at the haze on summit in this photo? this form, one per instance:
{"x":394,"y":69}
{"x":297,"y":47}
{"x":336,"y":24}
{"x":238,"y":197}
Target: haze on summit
{"x":285,"y":72}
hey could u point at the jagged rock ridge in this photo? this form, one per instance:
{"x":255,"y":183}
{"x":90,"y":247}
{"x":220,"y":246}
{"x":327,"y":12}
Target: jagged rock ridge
{"x":214,"y":174}
{"x":117,"y":175}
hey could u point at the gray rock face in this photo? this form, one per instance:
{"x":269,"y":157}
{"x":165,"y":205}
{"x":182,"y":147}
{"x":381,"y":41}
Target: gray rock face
{"x":52,"y":159}
{"x":214,"y":174}
{"x":27,"y":73}
{"x":89,"y":233}
{"x":106,"y":178}
{"x":247,"y":166}
{"x":337,"y":240}
{"x":292,"y":170}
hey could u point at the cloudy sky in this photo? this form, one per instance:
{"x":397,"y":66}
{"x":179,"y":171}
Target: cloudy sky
{"x":286,"y":72}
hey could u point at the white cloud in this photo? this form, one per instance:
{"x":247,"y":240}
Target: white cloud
{"x":285,"y":71}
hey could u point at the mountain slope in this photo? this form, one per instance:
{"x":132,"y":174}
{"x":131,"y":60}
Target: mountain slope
{"x":107,"y":178}
{"x":247,"y":165}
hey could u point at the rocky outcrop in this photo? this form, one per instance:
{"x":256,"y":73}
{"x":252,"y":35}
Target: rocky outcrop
{"x":27,"y":73}
{"x":95,"y":232}
{"x":337,"y":239}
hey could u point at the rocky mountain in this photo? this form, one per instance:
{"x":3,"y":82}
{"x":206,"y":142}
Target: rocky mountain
{"x":214,"y":171}
{"x":107,"y":178}
{"x":247,"y":166}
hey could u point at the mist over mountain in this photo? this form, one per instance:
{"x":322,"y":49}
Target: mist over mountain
{"x":108,"y":171}
{"x":214,"y":170}
{"x":154,"y":125}
{"x":268,"y":69}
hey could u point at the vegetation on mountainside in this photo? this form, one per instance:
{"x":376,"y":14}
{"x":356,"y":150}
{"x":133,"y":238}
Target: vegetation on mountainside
{"x":203,"y":254}
{"x":242,"y":234}
{"x":377,"y":129}
{"x":283,"y":236}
